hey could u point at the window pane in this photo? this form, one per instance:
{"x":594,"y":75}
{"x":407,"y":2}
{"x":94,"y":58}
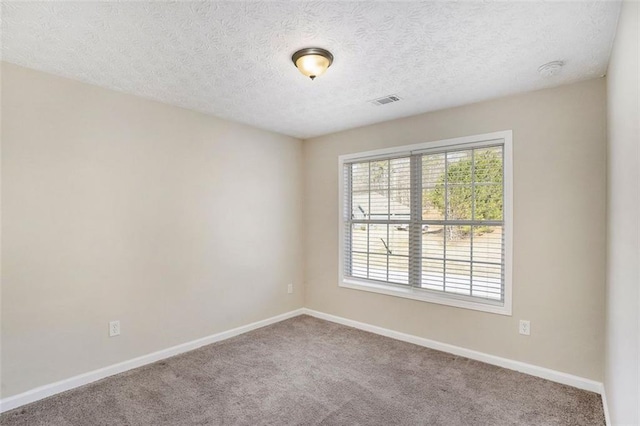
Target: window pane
{"x":457,"y":277}
{"x":459,"y":167}
{"x":360,"y":205}
{"x":487,"y":281}
{"x":433,"y":274}
{"x":359,"y":240}
{"x":459,"y":201}
{"x":487,"y":262}
{"x":398,"y":240}
{"x":488,"y":171}
{"x":378,"y":267}
{"x":400,"y":205}
{"x":400,"y":173}
{"x":487,"y":244}
{"x":375,"y":245}
{"x":378,"y":241}
{"x":433,"y":203}
{"x":488,"y":165}
{"x":458,"y":242}
{"x":458,"y":180}
{"x":379,"y":205}
{"x":360,"y":176}
{"x":400,"y":184}
{"x":379,"y":186}
{"x":433,"y":242}
{"x":433,"y":184}
{"x":488,"y":201}
{"x":399,"y":269}
{"x":379,"y":175}
{"x":359,"y":265}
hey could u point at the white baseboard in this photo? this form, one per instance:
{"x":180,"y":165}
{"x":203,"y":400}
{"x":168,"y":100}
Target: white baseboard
{"x":41,"y":392}
{"x":533,"y":370}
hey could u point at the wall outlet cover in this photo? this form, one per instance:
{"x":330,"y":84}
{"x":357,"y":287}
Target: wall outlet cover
{"x":114,"y":328}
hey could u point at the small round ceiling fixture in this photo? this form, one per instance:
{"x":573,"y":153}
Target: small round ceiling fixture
{"x":551,"y":68}
{"x":312,"y":61}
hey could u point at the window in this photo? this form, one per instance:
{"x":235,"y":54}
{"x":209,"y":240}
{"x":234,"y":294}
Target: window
{"x":430,"y":222}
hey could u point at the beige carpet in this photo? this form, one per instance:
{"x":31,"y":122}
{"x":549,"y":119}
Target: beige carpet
{"x":306,"y":371}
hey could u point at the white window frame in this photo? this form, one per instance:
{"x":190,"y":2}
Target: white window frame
{"x":449,"y":299}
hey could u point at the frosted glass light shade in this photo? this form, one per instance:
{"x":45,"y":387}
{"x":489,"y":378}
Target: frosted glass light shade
{"x":312,"y":61}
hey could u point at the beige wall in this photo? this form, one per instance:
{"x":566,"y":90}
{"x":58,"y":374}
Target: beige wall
{"x":559,"y":147}
{"x":176,"y":223}
{"x":124,"y":208}
{"x":622,"y":375}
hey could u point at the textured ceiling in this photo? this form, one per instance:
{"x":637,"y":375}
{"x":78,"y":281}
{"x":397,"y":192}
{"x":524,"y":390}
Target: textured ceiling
{"x":232,"y":59}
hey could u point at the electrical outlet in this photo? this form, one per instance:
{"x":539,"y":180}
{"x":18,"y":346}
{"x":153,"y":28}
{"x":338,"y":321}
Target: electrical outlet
{"x":525,"y":327}
{"x":114,"y":328}
{"x":290,"y":288}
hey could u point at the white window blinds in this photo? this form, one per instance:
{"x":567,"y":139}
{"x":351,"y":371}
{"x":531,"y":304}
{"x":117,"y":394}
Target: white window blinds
{"x":430,"y":220}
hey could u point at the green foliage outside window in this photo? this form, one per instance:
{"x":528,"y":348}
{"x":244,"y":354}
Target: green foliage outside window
{"x":486,"y":174}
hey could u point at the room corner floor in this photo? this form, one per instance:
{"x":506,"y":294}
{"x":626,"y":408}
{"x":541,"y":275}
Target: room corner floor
{"x":306,"y":371}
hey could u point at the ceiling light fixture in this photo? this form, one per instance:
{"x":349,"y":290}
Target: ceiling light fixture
{"x":312,"y":61}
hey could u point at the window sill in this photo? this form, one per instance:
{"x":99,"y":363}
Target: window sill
{"x":426,"y":296}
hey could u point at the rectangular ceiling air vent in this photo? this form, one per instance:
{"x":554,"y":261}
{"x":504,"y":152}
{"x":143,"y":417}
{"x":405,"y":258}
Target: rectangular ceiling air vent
{"x":386,"y":100}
